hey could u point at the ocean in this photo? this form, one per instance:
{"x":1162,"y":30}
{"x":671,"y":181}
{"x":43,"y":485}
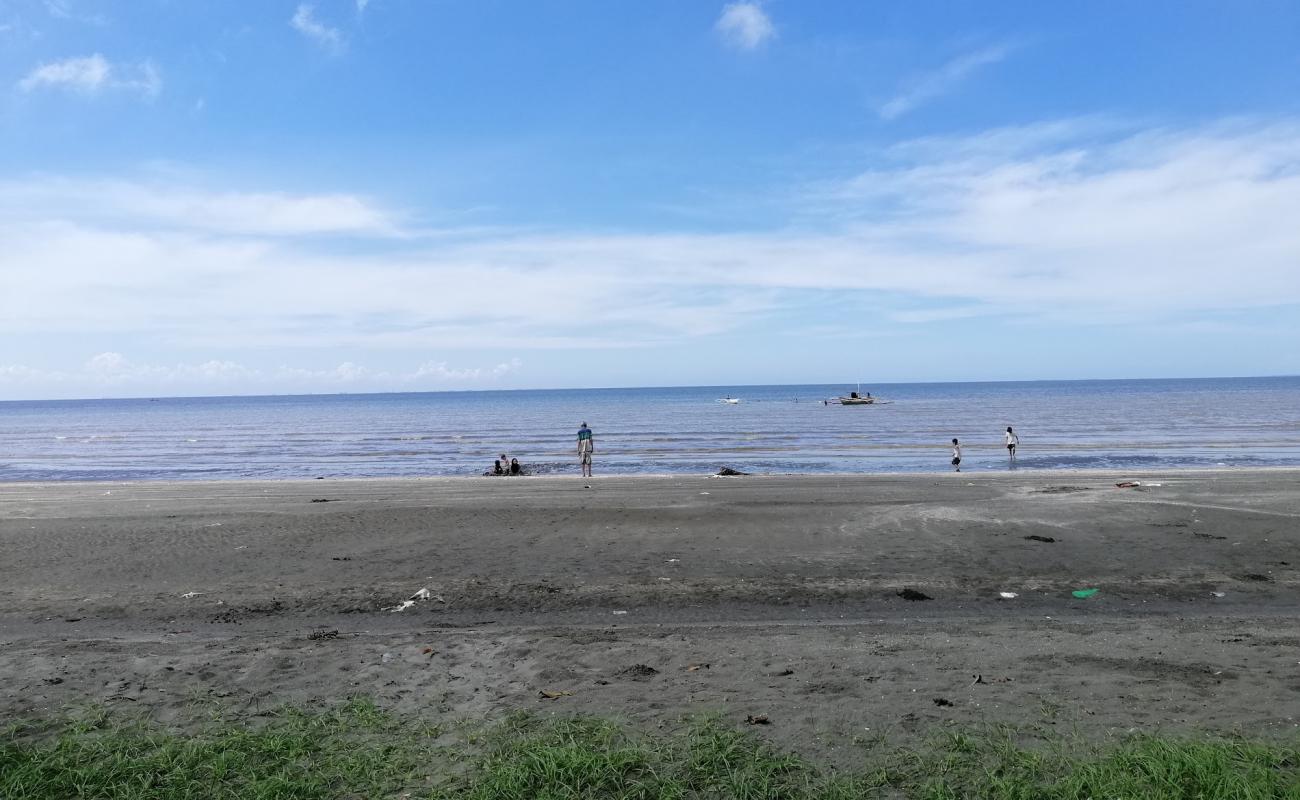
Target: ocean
{"x":1120,"y":424}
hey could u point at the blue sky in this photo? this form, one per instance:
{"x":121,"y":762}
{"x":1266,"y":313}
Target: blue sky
{"x":249,"y":197}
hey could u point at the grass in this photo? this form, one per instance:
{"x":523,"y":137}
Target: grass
{"x":358,"y":751}
{"x":351,"y":751}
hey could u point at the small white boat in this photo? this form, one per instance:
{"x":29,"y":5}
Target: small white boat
{"x":729,"y":400}
{"x":857,"y":398}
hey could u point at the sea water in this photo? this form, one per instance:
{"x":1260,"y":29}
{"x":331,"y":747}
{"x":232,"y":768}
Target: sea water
{"x":1122,"y":424}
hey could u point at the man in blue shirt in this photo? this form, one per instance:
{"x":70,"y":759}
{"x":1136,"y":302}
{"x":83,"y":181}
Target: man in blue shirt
{"x":585,"y":447}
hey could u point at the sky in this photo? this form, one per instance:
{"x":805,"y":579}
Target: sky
{"x":203,"y":197}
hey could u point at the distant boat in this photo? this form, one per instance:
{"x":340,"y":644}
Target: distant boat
{"x":857,"y":399}
{"x":729,"y":400}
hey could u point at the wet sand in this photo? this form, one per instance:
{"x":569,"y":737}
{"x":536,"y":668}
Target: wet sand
{"x":650,"y":598}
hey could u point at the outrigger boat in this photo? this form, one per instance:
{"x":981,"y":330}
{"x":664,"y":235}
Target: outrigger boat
{"x":855,"y":399}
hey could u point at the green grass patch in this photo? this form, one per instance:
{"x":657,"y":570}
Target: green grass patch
{"x":358,"y":751}
{"x":354,"y":750}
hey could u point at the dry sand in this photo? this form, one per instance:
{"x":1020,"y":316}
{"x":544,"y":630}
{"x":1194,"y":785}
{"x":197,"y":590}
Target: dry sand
{"x":651,"y":598}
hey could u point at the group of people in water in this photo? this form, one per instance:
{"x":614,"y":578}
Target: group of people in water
{"x":506,"y":466}
{"x":511,"y":466}
{"x":1011,"y":441}
{"x":586,"y":445}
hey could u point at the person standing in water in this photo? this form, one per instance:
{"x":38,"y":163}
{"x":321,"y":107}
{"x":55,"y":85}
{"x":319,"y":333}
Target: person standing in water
{"x":1012,"y":441}
{"x":956,"y":455}
{"x":585,"y":447}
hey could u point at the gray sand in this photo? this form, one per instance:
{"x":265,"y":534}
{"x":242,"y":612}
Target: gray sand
{"x":786,"y":587}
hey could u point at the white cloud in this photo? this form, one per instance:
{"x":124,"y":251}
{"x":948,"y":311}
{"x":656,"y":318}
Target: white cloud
{"x":304,"y":21}
{"x":361,"y":6}
{"x":943,"y":80}
{"x":745,"y":25}
{"x":64,"y":9}
{"x":114,"y":372}
{"x":440,"y":370}
{"x":1067,"y":223}
{"x":118,"y":203}
{"x":93,"y":74}
{"x":87,"y":74}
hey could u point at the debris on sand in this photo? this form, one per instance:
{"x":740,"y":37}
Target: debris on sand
{"x":423,"y":594}
{"x":189,"y":595}
{"x":943,"y":702}
{"x":728,"y":472}
{"x":619,"y":613}
{"x":323,"y":500}
{"x":1062,"y":490}
{"x":912,"y":594}
{"x":698,"y":667}
{"x":547,"y":694}
{"x":1033,"y":537}
{"x":321,"y":635}
{"x":980,"y":679}
{"x":1218,"y":594}
{"x":637,"y":671}
{"x":1083,"y":594}
{"x":757,"y":719}
{"x":341,"y":558}
{"x":1008,"y":595}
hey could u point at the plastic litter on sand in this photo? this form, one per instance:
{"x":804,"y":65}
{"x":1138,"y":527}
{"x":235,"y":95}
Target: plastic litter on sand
{"x":1008,"y":595}
{"x":1083,"y":594}
{"x":423,"y":594}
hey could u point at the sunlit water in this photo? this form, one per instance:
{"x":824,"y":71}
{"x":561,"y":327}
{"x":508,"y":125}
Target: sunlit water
{"x":1075,"y":424}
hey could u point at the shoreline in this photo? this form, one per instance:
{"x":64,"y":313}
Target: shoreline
{"x":654,"y":476}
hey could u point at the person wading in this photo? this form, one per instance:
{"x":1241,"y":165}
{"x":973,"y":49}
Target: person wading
{"x":585,"y":447}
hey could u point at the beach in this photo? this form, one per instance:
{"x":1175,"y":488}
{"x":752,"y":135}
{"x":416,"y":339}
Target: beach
{"x":654,"y":597}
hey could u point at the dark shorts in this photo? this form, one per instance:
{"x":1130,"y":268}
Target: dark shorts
{"x":956,"y":461}
{"x":1011,"y":447}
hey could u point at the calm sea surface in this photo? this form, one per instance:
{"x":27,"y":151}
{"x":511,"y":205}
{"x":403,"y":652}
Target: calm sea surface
{"x":1074,"y":424}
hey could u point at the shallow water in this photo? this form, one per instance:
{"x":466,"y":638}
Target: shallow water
{"x":1144,"y":424}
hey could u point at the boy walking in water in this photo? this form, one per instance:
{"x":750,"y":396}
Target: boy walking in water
{"x":956,"y":455}
{"x":584,"y":449}
{"x":1012,"y":441}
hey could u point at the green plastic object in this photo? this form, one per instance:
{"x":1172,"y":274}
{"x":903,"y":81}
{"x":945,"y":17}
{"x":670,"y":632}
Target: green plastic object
{"x":1084,"y":594}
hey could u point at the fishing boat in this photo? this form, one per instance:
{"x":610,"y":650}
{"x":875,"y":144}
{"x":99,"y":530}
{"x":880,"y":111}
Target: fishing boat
{"x":856,"y":399}
{"x":731,"y":401}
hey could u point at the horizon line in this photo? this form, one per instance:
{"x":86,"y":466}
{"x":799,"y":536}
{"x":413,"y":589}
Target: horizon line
{"x":157,"y":397}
